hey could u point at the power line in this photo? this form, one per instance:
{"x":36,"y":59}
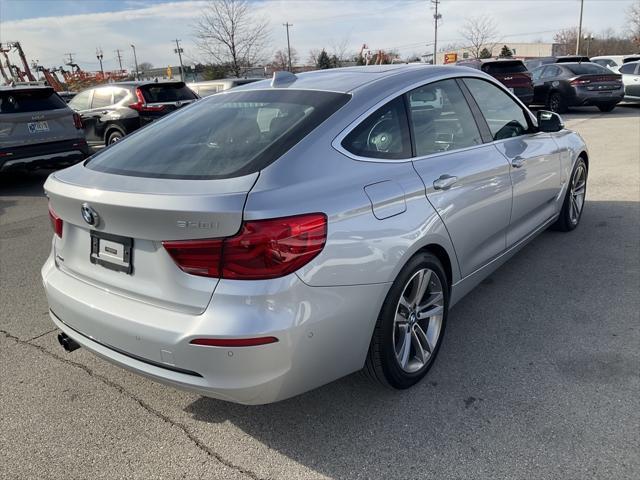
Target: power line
{"x":287,"y":25}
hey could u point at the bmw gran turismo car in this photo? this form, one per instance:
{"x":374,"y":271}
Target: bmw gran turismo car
{"x":270,"y":239}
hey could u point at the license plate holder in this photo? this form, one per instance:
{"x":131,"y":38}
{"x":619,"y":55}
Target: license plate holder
{"x":38,"y":127}
{"x":112,"y":251}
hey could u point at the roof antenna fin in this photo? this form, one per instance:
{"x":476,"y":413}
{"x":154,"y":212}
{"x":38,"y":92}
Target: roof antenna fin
{"x":283,"y":79}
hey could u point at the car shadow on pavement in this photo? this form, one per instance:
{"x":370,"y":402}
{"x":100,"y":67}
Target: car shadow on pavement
{"x":530,"y":358}
{"x":23,"y":184}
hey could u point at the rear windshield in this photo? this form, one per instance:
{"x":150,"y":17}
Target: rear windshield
{"x":17,"y":101}
{"x":587,"y":68}
{"x":496,"y":68}
{"x":222,"y":136}
{"x":168,"y":92}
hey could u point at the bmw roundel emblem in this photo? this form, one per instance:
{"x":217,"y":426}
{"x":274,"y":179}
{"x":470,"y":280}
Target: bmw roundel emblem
{"x":89,"y":214}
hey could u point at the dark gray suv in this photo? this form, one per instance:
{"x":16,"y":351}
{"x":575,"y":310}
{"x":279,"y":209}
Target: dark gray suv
{"x":38,"y":129}
{"x":110,"y":112}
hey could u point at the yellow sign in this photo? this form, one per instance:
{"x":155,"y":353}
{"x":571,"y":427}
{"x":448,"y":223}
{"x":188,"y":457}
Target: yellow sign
{"x":450,"y":57}
{"x":169,"y":72}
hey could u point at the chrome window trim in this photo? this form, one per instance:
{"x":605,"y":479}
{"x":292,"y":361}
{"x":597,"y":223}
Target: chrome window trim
{"x":337,"y":141}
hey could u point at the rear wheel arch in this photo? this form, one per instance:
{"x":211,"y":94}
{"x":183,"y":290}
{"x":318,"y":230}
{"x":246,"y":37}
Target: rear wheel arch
{"x":111,"y":129}
{"x":442,"y":255}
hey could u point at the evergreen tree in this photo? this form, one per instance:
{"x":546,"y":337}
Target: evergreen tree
{"x":506,"y":52}
{"x":323,"y":61}
{"x":485,"y":53}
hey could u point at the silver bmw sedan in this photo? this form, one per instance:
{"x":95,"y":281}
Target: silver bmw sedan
{"x":262,"y":242}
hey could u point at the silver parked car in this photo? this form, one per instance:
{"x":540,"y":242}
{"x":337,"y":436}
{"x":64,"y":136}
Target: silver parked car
{"x":268,"y":240}
{"x":38,"y":129}
{"x":210,"y":87}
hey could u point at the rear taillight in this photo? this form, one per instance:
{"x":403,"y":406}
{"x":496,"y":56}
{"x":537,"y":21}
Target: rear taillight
{"x":263,"y":249}
{"x":77,"y":121}
{"x":580,"y":81}
{"x":56,"y":222}
{"x":141,"y":105}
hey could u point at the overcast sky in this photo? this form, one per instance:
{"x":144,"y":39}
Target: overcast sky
{"x":48,"y":29}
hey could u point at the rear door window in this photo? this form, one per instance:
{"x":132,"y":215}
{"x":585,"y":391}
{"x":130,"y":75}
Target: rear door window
{"x":628,"y":68}
{"x":551,"y":72}
{"x":102,"y":97}
{"x":222,"y":136}
{"x":384,"y":134}
{"x":505,"y":117}
{"x":167,"y":92}
{"x":36,"y":100}
{"x":82,"y":101}
{"x":441,"y":119}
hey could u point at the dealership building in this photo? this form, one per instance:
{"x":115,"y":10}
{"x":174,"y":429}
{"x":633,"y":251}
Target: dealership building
{"x":519,"y":50}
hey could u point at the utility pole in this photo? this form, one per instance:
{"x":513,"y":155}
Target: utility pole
{"x":119,"y":55}
{"x":287,"y":25}
{"x":179,"y":51}
{"x":436,"y":17}
{"x":579,"y":28}
{"x":70,"y":55}
{"x":135,"y":59}
{"x":99,"y":56}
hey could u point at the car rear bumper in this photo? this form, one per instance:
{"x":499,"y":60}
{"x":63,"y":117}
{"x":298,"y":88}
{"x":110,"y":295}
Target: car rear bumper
{"x":586,"y":98}
{"x":323,"y":334}
{"x":44,"y":155}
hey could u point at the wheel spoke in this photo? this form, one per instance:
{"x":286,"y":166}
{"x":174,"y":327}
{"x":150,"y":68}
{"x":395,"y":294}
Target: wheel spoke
{"x":405,"y":303}
{"x":430,"y":311}
{"x":403,"y":355}
{"x":423,"y":339}
{"x":400,"y":319}
{"x":421,"y":354}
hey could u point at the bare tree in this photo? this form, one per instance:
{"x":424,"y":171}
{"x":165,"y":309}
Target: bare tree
{"x":479,"y":32}
{"x":339,"y":50}
{"x":229,"y":34}
{"x":281,"y":59}
{"x":633,"y":22}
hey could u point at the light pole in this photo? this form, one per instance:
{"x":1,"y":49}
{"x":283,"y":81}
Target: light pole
{"x":589,"y":39}
{"x":579,"y":29}
{"x":287,"y":25}
{"x":179,"y":51}
{"x":437,"y":16}
{"x":99,"y":56}
{"x":135,"y":59}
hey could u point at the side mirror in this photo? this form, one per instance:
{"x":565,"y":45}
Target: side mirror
{"x":549,"y":121}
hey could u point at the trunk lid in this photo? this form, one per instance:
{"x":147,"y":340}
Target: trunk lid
{"x":144,"y":212}
{"x":598,"y":82}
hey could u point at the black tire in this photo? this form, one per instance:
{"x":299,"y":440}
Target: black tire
{"x":556,"y":103}
{"x":382,"y":364}
{"x":114,"y":136}
{"x":607,"y":107}
{"x":565,"y":222}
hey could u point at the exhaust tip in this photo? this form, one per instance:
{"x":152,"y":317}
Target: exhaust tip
{"x":68,"y":343}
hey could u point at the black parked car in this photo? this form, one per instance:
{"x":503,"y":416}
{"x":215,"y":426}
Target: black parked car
{"x":109,"y":112}
{"x":537,"y":62}
{"x":559,"y":86}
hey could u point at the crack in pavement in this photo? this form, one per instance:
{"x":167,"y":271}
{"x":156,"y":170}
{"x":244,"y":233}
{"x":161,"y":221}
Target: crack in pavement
{"x":190,"y":435}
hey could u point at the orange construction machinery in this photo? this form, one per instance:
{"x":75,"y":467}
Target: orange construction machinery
{"x":74,"y":80}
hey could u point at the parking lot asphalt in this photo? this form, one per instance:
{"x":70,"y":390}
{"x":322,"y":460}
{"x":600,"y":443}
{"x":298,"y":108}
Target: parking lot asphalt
{"x":538,"y":376}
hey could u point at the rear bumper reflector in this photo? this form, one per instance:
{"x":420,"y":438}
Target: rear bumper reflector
{"x":233,"y":342}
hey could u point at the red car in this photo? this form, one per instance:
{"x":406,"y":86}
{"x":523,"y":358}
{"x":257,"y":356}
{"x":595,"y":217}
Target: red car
{"x":511,"y":73}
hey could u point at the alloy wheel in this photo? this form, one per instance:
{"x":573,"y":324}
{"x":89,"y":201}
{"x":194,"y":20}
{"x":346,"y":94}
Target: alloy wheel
{"x":577,"y":195}
{"x":418,"y":320}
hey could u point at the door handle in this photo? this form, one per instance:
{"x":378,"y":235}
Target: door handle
{"x":518,"y":162}
{"x":445,"y":182}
